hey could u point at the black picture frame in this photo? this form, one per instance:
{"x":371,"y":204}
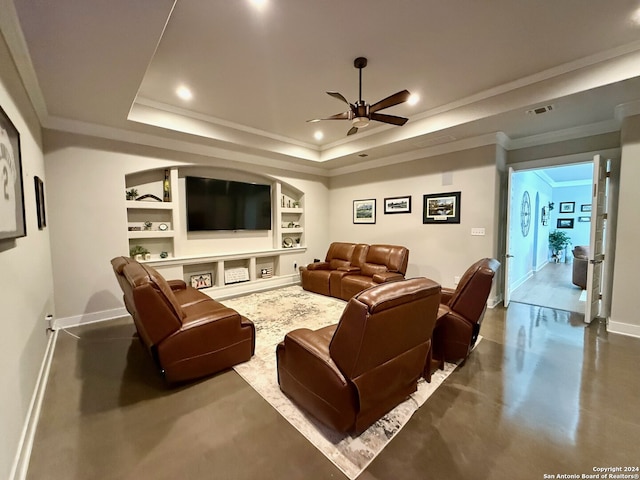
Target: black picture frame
{"x":40,"y":208}
{"x":364,"y":211}
{"x":586,"y":207}
{"x":12,"y":215}
{"x":393,"y":205}
{"x":584,"y":219}
{"x":564,"y":223}
{"x":567,"y":207}
{"x":441,"y":208}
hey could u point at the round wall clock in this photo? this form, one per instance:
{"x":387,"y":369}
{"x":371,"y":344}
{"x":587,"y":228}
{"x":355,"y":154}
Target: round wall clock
{"x":163,"y":227}
{"x":525,"y":214}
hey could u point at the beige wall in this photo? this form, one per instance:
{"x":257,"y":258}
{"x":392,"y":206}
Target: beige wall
{"x":440,"y":252}
{"x":89,"y":224}
{"x":26,"y":287}
{"x":624,"y":306}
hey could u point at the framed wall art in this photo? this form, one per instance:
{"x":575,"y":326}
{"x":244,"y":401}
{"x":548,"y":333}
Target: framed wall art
{"x":397,"y":205}
{"x":364,"y":211}
{"x":12,"y":219}
{"x":584,"y":219}
{"x":40,"y":211}
{"x":441,"y":208}
{"x":567,"y":207}
{"x":564,"y":223}
{"x":585,"y":207}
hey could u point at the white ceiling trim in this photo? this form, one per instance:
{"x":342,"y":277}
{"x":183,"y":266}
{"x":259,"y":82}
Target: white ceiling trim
{"x":581,"y":131}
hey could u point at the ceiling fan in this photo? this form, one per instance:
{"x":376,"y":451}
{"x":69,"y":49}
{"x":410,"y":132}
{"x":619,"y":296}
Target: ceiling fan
{"x":361,"y":113}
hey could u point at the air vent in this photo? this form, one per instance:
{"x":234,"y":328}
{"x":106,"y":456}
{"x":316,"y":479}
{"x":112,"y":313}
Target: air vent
{"x":362,"y":155}
{"x":540,"y":110}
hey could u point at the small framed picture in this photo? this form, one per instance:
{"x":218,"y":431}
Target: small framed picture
{"x":585,"y":208}
{"x":567,"y":207}
{"x":201,"y":280}
{"x":584,"y":219}
{"x":441,"y":208}
{"x":364,"y":211}
{"x":564,"y":223}
{"x":40,"y":211}
{"x":397,"y":205}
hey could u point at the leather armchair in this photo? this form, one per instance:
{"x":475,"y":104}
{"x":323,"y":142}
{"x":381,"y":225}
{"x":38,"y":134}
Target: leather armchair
{"x":461,"y":312}
{"x":188,"y":334}
{"x":315,"y":277}
{"x":580,"y":264}
{"x":349,"y":375}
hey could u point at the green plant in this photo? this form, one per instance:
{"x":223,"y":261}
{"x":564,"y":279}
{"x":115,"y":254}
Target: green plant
{"x":558,"y":241}
{"x":132,"y":194}
{"x":137,"y":250}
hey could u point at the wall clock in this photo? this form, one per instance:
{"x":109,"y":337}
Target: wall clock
{"x":525,"y":214}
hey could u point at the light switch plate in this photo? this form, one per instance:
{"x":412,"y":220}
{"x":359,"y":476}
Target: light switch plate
{"x":477,"y":231}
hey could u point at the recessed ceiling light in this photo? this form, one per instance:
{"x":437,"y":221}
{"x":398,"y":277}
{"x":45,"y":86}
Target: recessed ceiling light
{"x":184,"y":93}
{"x":318,"y":135}
{"x":413,"y":99}
{"x":259,"y":4}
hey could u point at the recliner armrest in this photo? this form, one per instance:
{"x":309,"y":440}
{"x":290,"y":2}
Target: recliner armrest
{"x":177,"y":284}
{"x":349,"y":269}
{"x":318,"y":266}
{"x":387,"y":277}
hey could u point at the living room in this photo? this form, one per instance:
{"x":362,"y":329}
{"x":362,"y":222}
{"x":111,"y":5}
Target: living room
{"x":63,"y":269}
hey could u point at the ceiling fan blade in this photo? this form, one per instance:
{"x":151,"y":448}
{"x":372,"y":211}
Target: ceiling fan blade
{"x":352,"y":130}
{"x":390,"y":101}
{"x":392,"y":119}
{"x":340,"y":97}
{"x":338,"y":116}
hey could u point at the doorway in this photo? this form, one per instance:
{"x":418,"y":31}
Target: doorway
{"x":559,"y":200}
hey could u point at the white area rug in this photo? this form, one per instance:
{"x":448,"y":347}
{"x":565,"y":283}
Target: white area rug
{"x":277,"y":312}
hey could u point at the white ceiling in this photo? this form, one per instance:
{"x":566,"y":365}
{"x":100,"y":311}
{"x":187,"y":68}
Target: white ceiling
{"x":111,"y":68}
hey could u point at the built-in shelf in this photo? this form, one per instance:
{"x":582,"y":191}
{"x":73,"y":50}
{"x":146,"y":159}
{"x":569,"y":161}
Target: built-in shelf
{"x":152,"y":205}
{"x":150,"y":233}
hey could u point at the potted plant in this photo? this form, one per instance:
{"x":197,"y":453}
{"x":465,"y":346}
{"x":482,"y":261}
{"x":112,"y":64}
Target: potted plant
{"x":557,"y":242}
{"x":138,"y":252}
{"x":132,"y":194}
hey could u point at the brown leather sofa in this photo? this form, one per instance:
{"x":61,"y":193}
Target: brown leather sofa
{"x":461,"y":312}
{"x":580,"y":264}
{"x":349,"y":375}
{"x":188,"y":334}
{"x":350,"y":268}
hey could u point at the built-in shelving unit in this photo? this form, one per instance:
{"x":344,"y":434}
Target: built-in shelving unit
{"x":157,"y":227}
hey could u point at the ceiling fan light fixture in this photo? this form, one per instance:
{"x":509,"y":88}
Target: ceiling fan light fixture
{"x":360,"y":122}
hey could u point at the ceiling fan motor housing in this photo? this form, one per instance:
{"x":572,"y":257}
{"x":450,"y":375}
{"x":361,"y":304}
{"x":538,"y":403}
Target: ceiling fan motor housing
{"x":361,"y":115}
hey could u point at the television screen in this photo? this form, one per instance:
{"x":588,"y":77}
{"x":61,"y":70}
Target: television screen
{"x":227,"y":205}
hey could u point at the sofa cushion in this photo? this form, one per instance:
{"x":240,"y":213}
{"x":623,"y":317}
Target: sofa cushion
{"x":161,"y":285}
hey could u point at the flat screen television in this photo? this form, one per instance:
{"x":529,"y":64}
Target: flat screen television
{"x":214,"y":204}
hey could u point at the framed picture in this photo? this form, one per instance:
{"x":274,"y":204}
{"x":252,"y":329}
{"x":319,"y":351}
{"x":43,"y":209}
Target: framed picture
{"x":567,"y":207}
{"x":12,"y":219}
{"x":584,"y":219}
{"x":564,"y":223}
{"x":397,"y":205}
{"x":364,"y":211}
{"x":201,"y":280}
{"x":441,"y":208}
{"x":40,"y":211}
{"x":585,"y":207}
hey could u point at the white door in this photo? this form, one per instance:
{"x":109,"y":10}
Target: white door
{"x":596,"y":243}
{"x":508,"y":256}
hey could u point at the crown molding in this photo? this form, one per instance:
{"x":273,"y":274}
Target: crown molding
{"x":581,"y":131}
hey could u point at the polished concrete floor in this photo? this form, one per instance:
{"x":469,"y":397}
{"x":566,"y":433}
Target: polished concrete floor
{"x":541,"y":394}
{"x":551,"y":286}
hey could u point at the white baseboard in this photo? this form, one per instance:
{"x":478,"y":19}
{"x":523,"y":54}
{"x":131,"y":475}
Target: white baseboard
{"x":494,"y":301}
{"x":23,"y":454}
{"x":520,"y":281}
{"x":217,"y":293}
{"x":624,"y":329}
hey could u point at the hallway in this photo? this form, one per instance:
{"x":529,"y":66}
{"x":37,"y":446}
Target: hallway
{"x":551,"y":287}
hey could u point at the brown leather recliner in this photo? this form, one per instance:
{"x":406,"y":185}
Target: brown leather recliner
{"x":188,"y":334}
{"x":315,"y":276}
{"x":580,"y":264}
{"x":350,"y":374}
{"x":382,"y":263}
{"x":461,"y":312}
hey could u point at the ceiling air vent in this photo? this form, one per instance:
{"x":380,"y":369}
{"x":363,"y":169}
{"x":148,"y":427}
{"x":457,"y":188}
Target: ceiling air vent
{"x":362,"y":155}
{"x":540,"y":110}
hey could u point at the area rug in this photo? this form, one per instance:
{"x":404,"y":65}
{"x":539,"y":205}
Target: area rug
{"x":277,"y":312}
